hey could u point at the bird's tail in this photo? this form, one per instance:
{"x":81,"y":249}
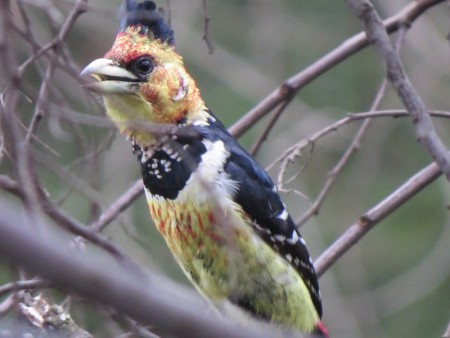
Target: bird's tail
{"x":321,"y":331}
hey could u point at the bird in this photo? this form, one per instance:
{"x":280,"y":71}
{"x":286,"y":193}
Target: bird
{"x":217,"y":209}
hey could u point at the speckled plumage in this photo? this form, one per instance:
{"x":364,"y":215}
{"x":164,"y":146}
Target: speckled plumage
{"x":216,"y":208}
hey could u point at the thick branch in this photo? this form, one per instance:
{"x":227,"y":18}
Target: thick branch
{"x":140,"y":297}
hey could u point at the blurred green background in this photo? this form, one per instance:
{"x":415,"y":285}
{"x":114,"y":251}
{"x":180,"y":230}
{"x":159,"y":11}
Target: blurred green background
{"x":396,"y":281}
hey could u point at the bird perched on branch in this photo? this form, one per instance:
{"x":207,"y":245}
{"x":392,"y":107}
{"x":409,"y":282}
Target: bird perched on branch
{"x":216,"y":208}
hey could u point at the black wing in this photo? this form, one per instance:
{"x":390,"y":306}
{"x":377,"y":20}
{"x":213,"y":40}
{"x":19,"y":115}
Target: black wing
{"x":258,"y":197}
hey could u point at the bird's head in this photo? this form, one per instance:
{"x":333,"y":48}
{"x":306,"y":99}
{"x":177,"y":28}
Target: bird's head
{"x":141,"y":77}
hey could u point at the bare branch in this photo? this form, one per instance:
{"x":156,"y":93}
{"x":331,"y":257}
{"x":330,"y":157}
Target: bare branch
{"x":332,"y":175}
{"x":76,"y":149}
{"x":294,"y":151}
{"x":23,"y":285}
{"x":129,"y":196}
{"x":79,"y":8}
{"x":71,"y":224}
{"x":373,"y":216}
{"x":270,"y":125}
{"x":424,"y":127}
{"x":394,"y":113}
{"x":121,"y":204}
{"x":348,"y":48}
{"x":206,"y":37}
{"x":354,"y":146}
{"x":8,"y":101}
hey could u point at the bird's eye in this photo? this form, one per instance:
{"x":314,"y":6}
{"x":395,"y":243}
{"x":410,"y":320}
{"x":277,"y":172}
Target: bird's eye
{"x":142,"y":66}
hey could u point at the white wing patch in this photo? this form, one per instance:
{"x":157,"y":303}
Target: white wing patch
{"x":283,"y":215}
{"x":210,"y":178}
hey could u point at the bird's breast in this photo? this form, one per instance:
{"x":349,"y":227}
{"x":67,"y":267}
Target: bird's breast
{"x":189,"y":195}
{"x":166,"y":168}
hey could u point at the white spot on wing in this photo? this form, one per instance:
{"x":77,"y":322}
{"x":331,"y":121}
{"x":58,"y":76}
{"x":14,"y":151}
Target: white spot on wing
{"x":294,"y":238}
{"x":283,"y":215}
{"x":280,"y":238}
{"x":258,"y":227}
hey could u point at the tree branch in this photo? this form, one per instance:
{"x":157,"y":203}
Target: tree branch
{"x":141,"y":297}
{"x":425,"y":132}
{"x":79,"y":8}
{"x":373,"y":216}
{"x":121,"y":204}
{"x":348,"y":48}
{"x":23,"y":285}
{"x":354,"y":146}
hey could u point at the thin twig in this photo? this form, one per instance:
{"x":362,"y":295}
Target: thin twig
{"x":78,"y":9}
{"x":121,"y":204}
{"x":137,"y":329}
{"x":333,"y":174}
{"x":354,"y":146}
{"x":296,"y":148}
{"x":206,"y":34}
{"x":23,"y":285}
{"x":8,"y":102}
{"x":425,"y":132}
{"x":394,"y":113}
{"x":263,"y":137}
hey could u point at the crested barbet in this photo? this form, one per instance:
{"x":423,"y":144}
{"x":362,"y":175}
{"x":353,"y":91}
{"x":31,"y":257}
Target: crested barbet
{"x":217,"y":209}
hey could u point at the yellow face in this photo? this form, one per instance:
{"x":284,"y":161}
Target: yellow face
{"x":144,"y":79}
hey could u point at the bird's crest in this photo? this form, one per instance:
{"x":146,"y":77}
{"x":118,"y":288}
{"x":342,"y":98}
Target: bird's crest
{"x":150,"y":19}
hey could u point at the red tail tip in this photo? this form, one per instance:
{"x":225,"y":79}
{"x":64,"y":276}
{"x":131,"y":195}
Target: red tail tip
{"x":322,"y":330}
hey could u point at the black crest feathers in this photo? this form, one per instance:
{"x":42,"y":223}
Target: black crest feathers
{"x":146,"y":14}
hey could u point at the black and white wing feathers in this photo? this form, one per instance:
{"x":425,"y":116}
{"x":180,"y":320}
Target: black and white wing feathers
{"x":259,"y":198}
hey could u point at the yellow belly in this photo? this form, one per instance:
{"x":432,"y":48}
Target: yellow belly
{"x":195,"y":240}
{"x":224,"y":259}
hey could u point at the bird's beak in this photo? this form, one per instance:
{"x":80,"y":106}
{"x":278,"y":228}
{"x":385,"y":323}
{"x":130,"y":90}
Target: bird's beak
{"x":111,"y":78}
